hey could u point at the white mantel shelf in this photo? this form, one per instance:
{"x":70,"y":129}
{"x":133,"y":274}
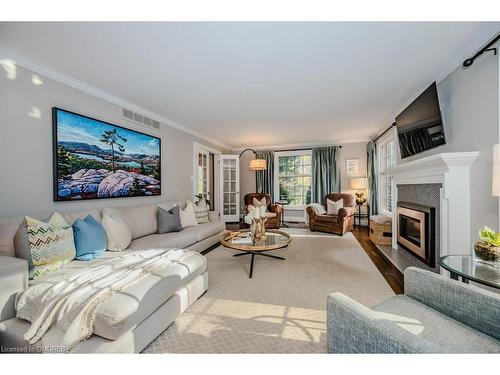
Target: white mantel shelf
{"x":452,"y":170}
{"x":432,"y":169}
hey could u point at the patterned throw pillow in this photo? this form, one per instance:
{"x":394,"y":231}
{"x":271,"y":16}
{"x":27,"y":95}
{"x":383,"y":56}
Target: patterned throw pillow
{"x":51,"y":244}
{"x":201,"y":211}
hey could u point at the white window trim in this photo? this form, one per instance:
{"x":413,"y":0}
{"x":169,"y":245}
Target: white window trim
{"x":390,"y":136}
{"x":277,"y":154}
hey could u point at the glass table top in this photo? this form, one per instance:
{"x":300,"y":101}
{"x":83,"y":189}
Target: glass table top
{"x":273,"y":239}
{"x":466,"y":266}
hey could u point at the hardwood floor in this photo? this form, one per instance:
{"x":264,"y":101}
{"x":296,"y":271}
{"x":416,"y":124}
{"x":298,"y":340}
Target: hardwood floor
{"x":391,"y":274}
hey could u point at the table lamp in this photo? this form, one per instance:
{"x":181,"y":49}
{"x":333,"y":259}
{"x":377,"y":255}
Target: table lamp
{"x":360,"y":184}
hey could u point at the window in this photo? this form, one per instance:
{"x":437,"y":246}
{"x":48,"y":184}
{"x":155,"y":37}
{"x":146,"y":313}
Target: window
{"x":293,"y":177}
{"x":387,"y":159}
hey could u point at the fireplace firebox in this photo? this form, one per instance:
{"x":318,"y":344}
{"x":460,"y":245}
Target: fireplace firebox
{"x":416,"y":225}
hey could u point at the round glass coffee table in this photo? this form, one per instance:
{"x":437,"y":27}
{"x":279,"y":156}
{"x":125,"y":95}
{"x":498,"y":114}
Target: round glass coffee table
{"x":468,"y":269}
{"x":274,"y":239}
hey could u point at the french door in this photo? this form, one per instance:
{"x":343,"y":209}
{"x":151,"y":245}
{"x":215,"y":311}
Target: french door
{"x":202,"y":177}
{"x":229,"y":187}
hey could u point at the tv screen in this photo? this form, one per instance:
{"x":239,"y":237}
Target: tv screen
{"x":94,"y":159}
{"x":420,"y":126}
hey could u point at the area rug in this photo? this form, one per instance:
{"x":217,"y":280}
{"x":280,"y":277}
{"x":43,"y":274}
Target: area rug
{"x":282,"y":309}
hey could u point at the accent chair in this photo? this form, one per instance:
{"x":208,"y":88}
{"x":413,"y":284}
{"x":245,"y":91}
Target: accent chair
{"x":339,"y":224}
{"x":434,"y":315}
{"x":275,"y":211}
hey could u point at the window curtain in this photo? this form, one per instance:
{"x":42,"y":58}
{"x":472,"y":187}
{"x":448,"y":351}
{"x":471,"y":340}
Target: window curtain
{"x":372,"y":168}
{"x":265,"y":179}
{"x":325,"y":172}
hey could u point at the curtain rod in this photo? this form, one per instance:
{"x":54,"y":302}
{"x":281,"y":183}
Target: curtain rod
{"x":385,"y":131}
{"x":302,"y":149}
{"x":471,"y":60}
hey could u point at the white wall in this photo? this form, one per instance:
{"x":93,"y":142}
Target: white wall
{"x":352,"y":151}
{"x":26,"y":146}
{"x":469,"y":105}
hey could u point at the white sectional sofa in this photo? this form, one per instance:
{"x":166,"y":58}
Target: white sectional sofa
{"x":129,"y":320}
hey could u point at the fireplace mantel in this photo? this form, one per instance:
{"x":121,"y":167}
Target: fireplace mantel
{"x":432,"y":169}
{"x":452,"y":170}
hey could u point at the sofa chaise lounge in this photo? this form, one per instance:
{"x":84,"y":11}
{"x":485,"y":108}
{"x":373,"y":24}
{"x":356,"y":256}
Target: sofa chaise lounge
{"x":133,"y":317}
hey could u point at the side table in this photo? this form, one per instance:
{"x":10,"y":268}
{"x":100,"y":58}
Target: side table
{"x":282,"y":203}
{"x":360,"y":215}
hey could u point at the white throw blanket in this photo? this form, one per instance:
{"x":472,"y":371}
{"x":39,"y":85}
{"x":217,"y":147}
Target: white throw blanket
{"x":62,"y":312}
{"x":318,"y":208}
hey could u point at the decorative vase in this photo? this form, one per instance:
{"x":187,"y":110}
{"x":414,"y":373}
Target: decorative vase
{"x":253,"y":228}
{"x":360,"y":198}
{"x":486,"y":253}
{"x":258,"y":230}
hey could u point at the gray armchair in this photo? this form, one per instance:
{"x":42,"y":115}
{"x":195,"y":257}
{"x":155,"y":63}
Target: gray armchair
{"x":435,"y":315}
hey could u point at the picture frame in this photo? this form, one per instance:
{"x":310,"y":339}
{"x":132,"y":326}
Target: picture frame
{"x":352,"y":166}
{"x":95,"y":159}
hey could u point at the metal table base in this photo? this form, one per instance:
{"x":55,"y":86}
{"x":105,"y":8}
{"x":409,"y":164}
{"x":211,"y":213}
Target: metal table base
{"x":253,"y":253}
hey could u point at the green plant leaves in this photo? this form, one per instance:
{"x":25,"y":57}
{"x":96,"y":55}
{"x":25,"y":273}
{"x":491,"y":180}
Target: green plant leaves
{"x":489,"y":236}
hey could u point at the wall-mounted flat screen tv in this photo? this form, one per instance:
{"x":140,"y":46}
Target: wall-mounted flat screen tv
{"x":420,"y":126}
{"x":94,"y":159}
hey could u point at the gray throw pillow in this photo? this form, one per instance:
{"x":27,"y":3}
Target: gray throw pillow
{"x":169,"y":221}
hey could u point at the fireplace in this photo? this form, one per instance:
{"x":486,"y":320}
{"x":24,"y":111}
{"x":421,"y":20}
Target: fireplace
{"x":416,"y":225}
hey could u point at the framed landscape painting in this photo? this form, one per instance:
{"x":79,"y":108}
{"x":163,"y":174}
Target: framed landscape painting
{"x":94,"y":159}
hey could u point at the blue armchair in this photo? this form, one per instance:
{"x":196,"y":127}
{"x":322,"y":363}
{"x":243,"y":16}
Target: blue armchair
{"x":435,"y":315}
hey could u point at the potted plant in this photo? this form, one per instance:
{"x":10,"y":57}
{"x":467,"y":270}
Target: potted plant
{"x":488,"y":249}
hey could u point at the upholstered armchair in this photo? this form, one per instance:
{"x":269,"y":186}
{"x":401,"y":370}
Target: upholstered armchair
{"x":434,"y":315}
{"x":275,"y":211}
{"x":339,"y":224}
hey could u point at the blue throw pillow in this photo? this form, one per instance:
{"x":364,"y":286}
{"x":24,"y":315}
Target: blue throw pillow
{"x":90,"y":238}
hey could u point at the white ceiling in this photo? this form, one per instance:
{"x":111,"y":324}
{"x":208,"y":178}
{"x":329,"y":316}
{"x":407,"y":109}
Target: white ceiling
{"x":257,"y":83}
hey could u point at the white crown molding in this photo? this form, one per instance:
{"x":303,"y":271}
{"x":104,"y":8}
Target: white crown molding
{"x":94,"y":91}
{"x":302,"y":145}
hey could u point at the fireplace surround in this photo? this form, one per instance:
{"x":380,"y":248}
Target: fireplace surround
{"x":416,"y":228}
{"x":449,"y":173}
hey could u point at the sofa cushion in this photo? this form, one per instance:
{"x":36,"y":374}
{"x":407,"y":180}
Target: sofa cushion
{"x":169,"y":220}
{"x":7,"y":233}
{"x":129,"y":307}
{"x":201,"y":211}
{"x":141,"y":219}
{"x":46,"y":246}
{"x":422,"y":321}
{"x":333,"y":207}
{"x":259,"y":203}
{"x":134,"y":303}
{"x":326,"y":218}
{"x":117,"y":232}
{"x":179,"y":240}
{"x":90,"y":238}
{"x":206,"y":230}
{"x":71,"y":217}
{"x":188,"y":217}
